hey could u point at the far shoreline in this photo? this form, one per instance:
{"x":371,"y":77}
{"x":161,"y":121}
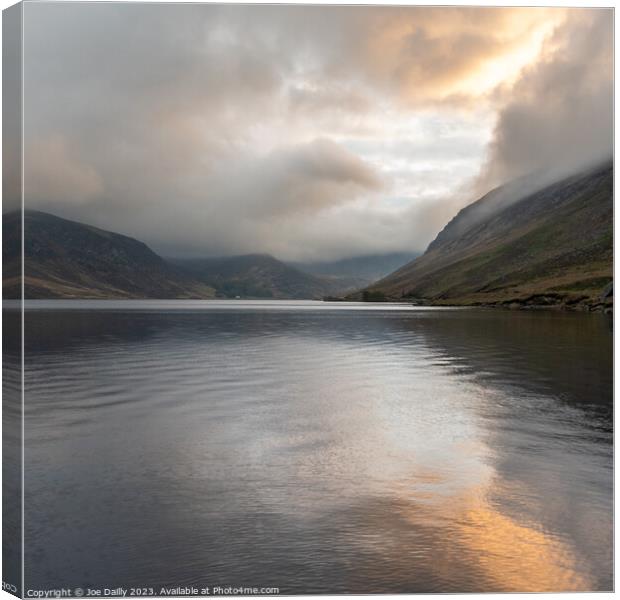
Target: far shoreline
{"x":341,"y":303}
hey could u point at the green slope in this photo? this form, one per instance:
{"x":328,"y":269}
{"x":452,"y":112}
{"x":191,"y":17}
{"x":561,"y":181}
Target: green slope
{"x":551,"y":247}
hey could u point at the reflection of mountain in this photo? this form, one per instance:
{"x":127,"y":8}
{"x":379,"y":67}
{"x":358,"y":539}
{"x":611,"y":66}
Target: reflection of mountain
{"x":65,"y":259}
{"x":562,"y":354}
{"x":553,"y":246}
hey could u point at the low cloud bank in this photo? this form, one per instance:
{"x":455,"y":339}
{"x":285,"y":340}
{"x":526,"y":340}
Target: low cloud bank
{"x":306,"y":132}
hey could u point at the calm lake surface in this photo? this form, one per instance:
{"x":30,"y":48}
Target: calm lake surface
{"x":317,"y":447}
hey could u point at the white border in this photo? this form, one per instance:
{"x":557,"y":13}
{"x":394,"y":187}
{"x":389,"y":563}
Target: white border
{"x":515,"y":3}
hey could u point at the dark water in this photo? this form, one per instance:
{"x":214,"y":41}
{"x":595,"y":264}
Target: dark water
{"x":317,"y":448}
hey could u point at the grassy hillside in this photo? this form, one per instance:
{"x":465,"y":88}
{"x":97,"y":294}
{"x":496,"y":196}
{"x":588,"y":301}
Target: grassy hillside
{"x":551,"y":247}
{"x":65,"y":259}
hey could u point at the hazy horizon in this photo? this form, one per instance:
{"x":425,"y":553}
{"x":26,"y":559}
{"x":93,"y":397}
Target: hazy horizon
{"x":305,"y":132}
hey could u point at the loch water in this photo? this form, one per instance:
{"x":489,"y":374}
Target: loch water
{"x":316,"y":447}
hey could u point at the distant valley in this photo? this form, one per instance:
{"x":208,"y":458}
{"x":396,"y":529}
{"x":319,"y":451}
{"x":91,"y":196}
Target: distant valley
{"x":260,"y":276}
{"x":513,"y":247}
{"x":359,"y":271}
{"x":67,"y":259}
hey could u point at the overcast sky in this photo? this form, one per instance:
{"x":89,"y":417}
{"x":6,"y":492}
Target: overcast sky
{"x":306,"y":132}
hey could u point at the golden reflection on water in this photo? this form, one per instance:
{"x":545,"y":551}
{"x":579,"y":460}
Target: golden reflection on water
{"x":509,"y":555}
{"x":452,"y":482}
{"x":499,"y":551}
{"x":518,"y":557}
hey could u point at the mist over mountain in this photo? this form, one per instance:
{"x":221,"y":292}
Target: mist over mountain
{"x":550,"y":247}
{"x":67,"y":259}
{"x":518,"y":244}
{"x":358,"y":270}
{"x":260,"y":276}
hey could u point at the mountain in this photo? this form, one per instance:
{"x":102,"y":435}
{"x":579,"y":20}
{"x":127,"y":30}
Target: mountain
{"x":359,"y":271}
{"x":256,"y":276}
{"x":553,"y":246}
{"x":66,"y":259}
